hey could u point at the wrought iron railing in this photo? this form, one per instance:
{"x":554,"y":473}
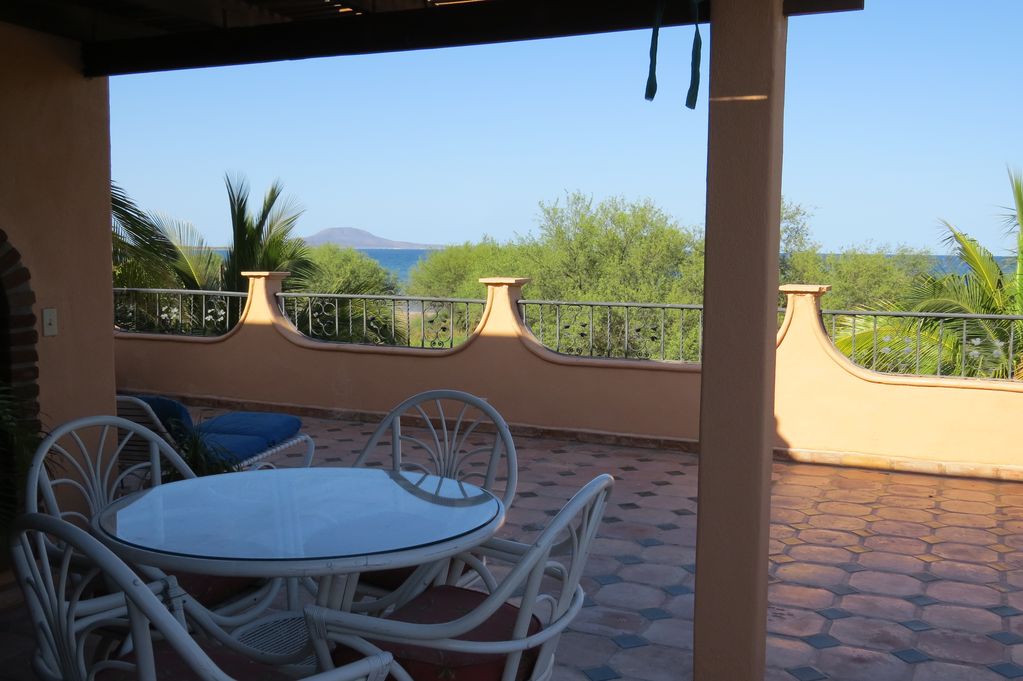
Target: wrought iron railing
{"x":404,"y":321}
{"x":178,"y":312}
{"x":913,"y":343}
{"x":929,"y":343}
{"x":617,"y":330}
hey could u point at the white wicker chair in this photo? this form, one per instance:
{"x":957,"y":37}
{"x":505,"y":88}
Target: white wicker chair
{"x":68,"y":623}
{"x":459,"y":429}
{"x":85,"y":464}
{"x":442,"y":432}
{"x":135,"y":409}
{"x":443,"y":621}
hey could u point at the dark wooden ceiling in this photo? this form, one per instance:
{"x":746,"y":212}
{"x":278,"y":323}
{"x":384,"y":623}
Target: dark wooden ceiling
{"x":131,"y":36}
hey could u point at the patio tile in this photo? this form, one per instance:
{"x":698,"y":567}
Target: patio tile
{"x":655,"y":614}
{"x":964,"y":593}
{"x":653,"y":574}
{"x":1007,"y":638}
{"x":961,"y":617}
{"x":822,"y":641}
{"x":911,"y":655}
{"x":629,"y":595}
{"x":1008,"y":670}
{"x":888,"y":583}
{"x":653,"y":662}
{"x":834,"y":613}
{"x":800,"y":596}
{"x":794,"y":621}
{"x":846,"y":662}
{"x":868,"y":632}
{"x":960,"y":646}
{"x":603,"y":673}
{"x":1006,"y":611}
{"x":806,"y":674}
{"x":678,"y":589}
{"x":629,"y":641}
{"x":676,"y":632}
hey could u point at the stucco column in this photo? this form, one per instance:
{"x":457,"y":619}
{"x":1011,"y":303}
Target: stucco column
{"x":501,"y":316}
{"x":744,"y":154}
{"x":261,"y":307}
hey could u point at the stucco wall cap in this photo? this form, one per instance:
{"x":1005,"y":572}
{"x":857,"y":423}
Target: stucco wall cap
{"x":505,"y":281}
{"x":818,"y":289}
{"x":266,"y":275}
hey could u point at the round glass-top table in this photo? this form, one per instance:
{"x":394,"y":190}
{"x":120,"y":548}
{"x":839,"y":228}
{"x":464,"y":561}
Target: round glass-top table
{"x":299,"y":522}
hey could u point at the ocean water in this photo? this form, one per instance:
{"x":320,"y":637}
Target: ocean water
{"x":397,"y":260}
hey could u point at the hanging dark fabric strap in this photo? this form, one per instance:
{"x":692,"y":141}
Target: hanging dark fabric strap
{"x":651,"y":79}
{"x":694,"y":73}
{"x":694,"y":68}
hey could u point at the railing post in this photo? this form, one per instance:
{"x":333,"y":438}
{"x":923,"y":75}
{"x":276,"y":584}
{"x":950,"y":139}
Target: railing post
{"x":261,"y":307}
{"x":803,"y":298}
{"x":501,"y":316}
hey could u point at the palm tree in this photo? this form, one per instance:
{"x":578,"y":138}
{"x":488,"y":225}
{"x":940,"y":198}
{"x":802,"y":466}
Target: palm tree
{"x":151,"y":250}
{"x":263,"y":241}
{"x":989,"y":348}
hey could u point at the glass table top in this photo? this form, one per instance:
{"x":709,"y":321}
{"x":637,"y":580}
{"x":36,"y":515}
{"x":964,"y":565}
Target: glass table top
{"x":298,"y":513}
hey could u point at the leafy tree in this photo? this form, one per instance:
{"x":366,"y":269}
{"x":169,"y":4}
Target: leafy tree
{"x":974,"y":347}
{"x":337,"y":270}
{"x":455,"y":271}
{"x":796,"y":242}
{"x":862,"y":275}
{"x":615,"y":250}
{"x":345,"y":270}
{"x":610,"y":251}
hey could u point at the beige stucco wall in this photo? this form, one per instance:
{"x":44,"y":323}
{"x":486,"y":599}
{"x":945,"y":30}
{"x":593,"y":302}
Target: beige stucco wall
{"x":827,"y":409}
{"x":55,"y":207}
{"x":831,"y":411}
{"x":265,"y":359}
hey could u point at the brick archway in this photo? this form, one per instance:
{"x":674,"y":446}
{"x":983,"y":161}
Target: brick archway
{"x":18,"y":335}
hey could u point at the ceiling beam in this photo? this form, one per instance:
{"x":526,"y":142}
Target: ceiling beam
{"x":220,"y":13}
{"x":71,"y":21}
{"x":799,"y":7}
{"x":473,"y":23}
{"x":444,"y":26}
{"x":384,"y":5}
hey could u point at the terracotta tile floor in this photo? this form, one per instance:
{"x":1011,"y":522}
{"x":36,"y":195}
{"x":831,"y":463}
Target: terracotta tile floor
{"x":874,"y":576}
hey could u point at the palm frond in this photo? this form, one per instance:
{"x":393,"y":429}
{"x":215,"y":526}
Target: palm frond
{"x":1013,"y":216}
{"x":196,"y":264}
{"x":1014,"y":222}
{"x":141,"y":251}
{"x":264,"y":241}
{"x":980,"y":261}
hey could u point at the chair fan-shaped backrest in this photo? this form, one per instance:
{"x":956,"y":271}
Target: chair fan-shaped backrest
{"x":79,"y":469}
{"x":65,"y":616}
{"x":448,"y":433}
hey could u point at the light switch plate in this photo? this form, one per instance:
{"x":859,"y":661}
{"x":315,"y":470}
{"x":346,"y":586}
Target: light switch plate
{"x":49,"y":321}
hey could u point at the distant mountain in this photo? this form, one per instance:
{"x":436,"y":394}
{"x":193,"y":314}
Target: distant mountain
{"x":359,"y":238}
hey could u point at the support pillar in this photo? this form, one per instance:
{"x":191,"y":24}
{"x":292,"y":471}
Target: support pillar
{"x":747,"y":74}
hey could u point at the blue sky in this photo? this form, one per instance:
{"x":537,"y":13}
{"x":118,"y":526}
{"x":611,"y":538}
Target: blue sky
{"x":896,"y":116}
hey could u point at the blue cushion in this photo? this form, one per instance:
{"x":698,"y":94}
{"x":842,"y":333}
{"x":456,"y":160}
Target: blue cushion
{"x":172,"y":414}
{"x":234,"y":448}
{"x":273,"y":428}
